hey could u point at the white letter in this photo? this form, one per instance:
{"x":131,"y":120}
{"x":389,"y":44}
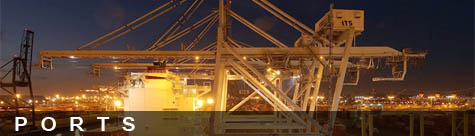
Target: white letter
{"x":17,"y":126}
{"x":53,"y":126}
{"x":71,"y":127}
{"x":132,"y":126}
{"x":103,"y":123}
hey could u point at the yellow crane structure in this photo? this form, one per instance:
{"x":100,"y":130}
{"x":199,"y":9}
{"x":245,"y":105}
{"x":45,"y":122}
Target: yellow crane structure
{"x":326,"y":48}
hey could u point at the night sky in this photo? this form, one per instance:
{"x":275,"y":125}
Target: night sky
{"x":444,"y":28}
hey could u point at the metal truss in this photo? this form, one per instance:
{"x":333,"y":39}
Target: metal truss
{"x":312,"y":54}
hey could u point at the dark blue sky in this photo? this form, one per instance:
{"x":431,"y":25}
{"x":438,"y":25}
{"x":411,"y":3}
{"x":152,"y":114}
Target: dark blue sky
{"x":444,"y":28}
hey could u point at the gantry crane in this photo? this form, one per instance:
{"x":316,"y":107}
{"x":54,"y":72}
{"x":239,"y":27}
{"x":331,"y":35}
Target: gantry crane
{"x":20,"y":78}
{"x":327,"y":48}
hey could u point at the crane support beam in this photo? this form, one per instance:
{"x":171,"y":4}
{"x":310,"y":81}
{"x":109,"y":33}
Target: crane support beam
{"x":354,"y":52}
{"x":131,"y":28}
{"x":179,"y":23}
{"x":116,"y":66}
{"x":257,"y":29}
{"x":283,"y":16}
{"x":127,"y":25}
{"x":145,"y":65}
{"x":340,"y":80}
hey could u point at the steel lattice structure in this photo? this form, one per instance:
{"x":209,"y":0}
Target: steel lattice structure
{"x":328,"y":47}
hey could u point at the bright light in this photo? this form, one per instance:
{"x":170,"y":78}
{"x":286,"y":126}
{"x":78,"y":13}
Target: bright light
{"x":1,"y":102}
{"x":431,"y":97}
{"x":210,"y":101}
{"x":83,"y":96}
{"x":115,"y":67}
{"x":72,"y":57}
{"x":368,"y":97}
{"x":30,"y":101}
{"x":199,"y":103}
{"x":269,"y":69}
{"x":185,"y":90}
{"x":194,"y":90}
{"x":185,"y":79}
{"x":391,"y":97}
{"x":321,"y":57}
{"x":197,"y":57}
{"x":57,"y":96}
{"x":245,"y":58}
{"x":117,"y":103}
{"x":18,"y":96}
{"x":278,"y":72}
{"x":454,"y":95}
{"x":76,"y":102}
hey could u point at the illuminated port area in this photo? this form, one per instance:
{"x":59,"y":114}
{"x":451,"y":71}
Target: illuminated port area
{"x":109,"y":100}
{"x":223,"y":67}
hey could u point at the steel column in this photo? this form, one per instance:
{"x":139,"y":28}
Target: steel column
{"x":340,"y":79}
{"x":316,"y":89}
{"x":218,"y":85}
{"x":309,"y":85}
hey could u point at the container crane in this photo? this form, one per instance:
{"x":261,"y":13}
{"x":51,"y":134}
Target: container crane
{"x":328,"y":47}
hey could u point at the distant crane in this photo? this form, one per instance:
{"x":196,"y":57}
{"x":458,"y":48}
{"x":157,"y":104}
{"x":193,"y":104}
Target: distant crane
{"x":20,"y":74}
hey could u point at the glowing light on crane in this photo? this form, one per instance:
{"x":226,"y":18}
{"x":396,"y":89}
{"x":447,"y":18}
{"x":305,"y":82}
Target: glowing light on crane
{"x":199,"y":103}
{"x":210,"y":101}
{"x":117,"y":103}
